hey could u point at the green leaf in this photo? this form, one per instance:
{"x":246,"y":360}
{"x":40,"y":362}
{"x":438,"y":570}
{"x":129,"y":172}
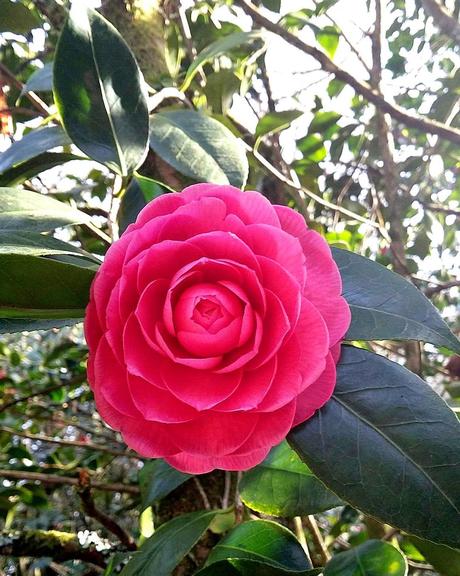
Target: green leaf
{"x":13,"y":325}
{"x":100,"y":93}
{"x":220,"y":89}
{"x":40,"y":81}
{"x":389,"y":445}
{"x":157,"y":479}
{"x":385,"y":306}
{"x":199,"y":147}
{"x":161,"y":553}
{"x":221,"y":46}
{"x":262,"y":541}
{"x":17,"y":18}
{"x":21,"y":210}
{"x":33,"y":144}
{"x":139,"y":192}
{"x":244,"y":567}
{"x":284,"y":486}
{"x":273,"y":5}
{"x":35,"y":288}
{"x":445,"y":560}
{"x":26,"y":170}
{"x":275,"y":122}
{"x":322,"y":121}
{"x":373,"y":558}
{"x":33,"y":244}
{"x":328,"y":37}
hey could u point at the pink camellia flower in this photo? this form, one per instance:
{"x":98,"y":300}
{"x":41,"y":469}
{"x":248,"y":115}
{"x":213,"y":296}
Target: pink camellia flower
{"x":214,"y":327}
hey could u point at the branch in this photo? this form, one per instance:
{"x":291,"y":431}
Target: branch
{"x":64,"y":442}
{"x":362,"y":88}
{"x":441,"y":287}
{"x":60,"y":546}
{"x":37,"y":102}
{"x":74,"y":381}
{"x":54,"y":479}
{"x":317,"y":538}
{"x":89,"y":506}
{"x":446,"y":23}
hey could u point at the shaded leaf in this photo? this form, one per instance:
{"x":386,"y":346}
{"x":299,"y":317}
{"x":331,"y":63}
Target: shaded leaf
{"x":26,"y":170}
{"x":157,"y":479}
{"x":388,"y":445}
{"x":33,"y":144}
{"x":220,"y":46}
{"x":35,"y":288}
{"x":199,"y":147}
{"x":100,"y":92}
{"x":444,"y":559}
{"x":21,"y":210}
{"x":161,"y":553}
{"x":284,"y":486}
{"x":322,"y":121}
{"x":139,"y":192}
{"x":40,"y":81}
{"x":17,"y":18}
{"x":385,"y":306}
{"x":373,"y":558}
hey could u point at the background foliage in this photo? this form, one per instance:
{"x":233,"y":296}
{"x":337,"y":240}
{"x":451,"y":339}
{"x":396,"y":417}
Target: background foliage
{"x":356,"y":125}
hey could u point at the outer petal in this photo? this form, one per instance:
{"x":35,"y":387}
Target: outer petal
{"x":214,"y":434}
{"x":249,"y":206}
{"x":317,"y":394}
{"x":200,"y":465}
{"x":111,"y":380}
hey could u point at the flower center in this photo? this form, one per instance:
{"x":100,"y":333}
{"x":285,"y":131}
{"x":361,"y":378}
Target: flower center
{"x":207,"y":310}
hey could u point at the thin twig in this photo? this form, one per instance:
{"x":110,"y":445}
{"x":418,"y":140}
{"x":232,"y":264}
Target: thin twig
{"x":89,"y":506}
{"x":79,"y":379}
{"x":38,"y":103}
{"x":202,"y":492}
{"x":227,"y":487}
{"x":362,"y":88}
{"x":317,"y":538}
{"x":65,"y":442}
{"x":300,"y":533}
{"x":54,"y":479}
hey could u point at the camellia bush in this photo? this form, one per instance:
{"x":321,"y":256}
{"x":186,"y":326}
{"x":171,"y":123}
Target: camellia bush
{"x":245,"y":396}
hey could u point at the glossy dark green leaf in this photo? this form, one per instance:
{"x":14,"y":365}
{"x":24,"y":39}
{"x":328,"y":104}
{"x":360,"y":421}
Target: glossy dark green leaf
{"x":40,"y":81}
{"x":445,"y":560}
{"x":26,"y":170}
{"x":100,"y":92}
{"x":33,"y":144}
{"x":276,"y":121}
{"x":22,"y":210}
{"x":199,"y":147}
{"x":373,"y":558}
{"x":244,"y":567}
{"x":220,"y":46}
{"x":33,"y":244}
{"x":389,"y":445}
{"x":263,"y":541}
{"x":17,"y":18}
{"x":284,"y":486}
{"x":36,"y":288}
{"x":157,"y":480}
{"x":140,"y":191}
{"x":13,"y":325}
{"x":161,"y":553}
{"x":385,"y":306}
